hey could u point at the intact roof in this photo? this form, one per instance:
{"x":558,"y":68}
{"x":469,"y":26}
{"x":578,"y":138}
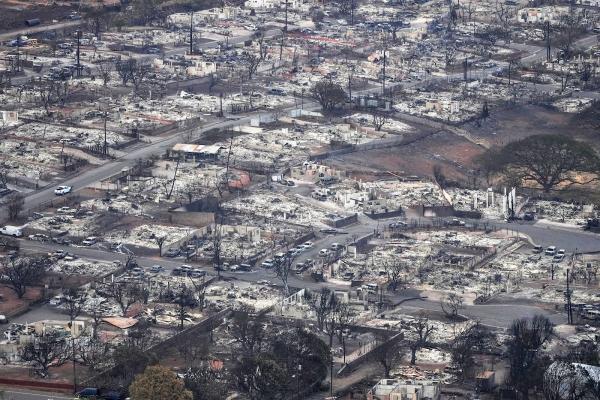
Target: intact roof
{"x":120,"y":322}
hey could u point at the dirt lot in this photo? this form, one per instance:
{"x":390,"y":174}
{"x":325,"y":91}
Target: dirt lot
{"x":517,"y":123}
{"x":452,"y":152}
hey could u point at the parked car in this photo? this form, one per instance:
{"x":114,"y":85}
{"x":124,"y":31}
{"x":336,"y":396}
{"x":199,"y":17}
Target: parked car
{"x":529,"y":216}
{"x":245,"y":267}
{"x":550,"y":251}
{"x":197,"y":273}
{"x":323,"y":253}
{"x":279,"y":257}
{"x":186,"y":269}
{"x":56,"y":300}
{"x":95,"y":393}
{"x":336,"y":247}
{"x":172,"y":253}
{"x":156,"y":268}
{"x":307,"y":245}
{"x":62,"y":241}
{"x":62,"y":190}
{"x":89,"y":241}
{"x":70,"y":257}
{"x":39,"y":237}
{"x":537,"y":249}
{"x":59,"y":254}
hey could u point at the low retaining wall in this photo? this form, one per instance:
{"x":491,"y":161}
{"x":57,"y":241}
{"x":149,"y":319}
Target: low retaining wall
{"x":44,"y":385}
{"x":204,"y":326}
{"x":351,"y":366}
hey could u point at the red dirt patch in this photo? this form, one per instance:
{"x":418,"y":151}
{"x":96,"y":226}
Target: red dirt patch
{"x":10,"y":305}
{"x":452,"y":152}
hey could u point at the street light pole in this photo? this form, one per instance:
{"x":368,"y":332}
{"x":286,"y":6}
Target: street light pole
{"x":105,"y":142}
{"x":71,"y":325}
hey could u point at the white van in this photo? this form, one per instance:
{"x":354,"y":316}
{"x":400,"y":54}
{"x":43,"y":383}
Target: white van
{"x":10,"y":230}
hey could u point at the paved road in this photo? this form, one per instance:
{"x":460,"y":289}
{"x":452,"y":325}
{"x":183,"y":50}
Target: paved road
{"x":569,"y":239}
{"x":43,"y":312}
{"x":538,"y":53}
{"x":10,"y":394}
{"x":40,"y":28}
{"x":494,"y":315}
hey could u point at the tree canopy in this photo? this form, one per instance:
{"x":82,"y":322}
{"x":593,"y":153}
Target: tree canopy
{"x":550,"y":161}
{"x":328,"y":94}
{"x":158,"y":383}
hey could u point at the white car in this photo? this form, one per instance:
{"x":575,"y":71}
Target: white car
{"x":62,"y":190}
{"x":89,"y":241}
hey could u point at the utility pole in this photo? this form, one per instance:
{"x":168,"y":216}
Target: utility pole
{"x":78,"y":52}
{"x":285,"y":28}
{"x":384,"y":63}
{"x":71,"y":326}
{"x":568,"y":298}
{"x":191,"y":33}
{"x":17,"y":67}
{"x":350,"y":87}
{"x":298,"y":378}
{"x":548,"y":55}
{"x":331,"y":367}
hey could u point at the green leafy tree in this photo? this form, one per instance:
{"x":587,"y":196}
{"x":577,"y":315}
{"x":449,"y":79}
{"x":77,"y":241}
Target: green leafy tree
{"x":547,"y":160}
{"x":328,"y":94}
{"x":158,"y":383}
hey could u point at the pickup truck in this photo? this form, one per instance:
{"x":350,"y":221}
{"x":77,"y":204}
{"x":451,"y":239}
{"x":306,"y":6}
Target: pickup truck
{"x":95,"y":393}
